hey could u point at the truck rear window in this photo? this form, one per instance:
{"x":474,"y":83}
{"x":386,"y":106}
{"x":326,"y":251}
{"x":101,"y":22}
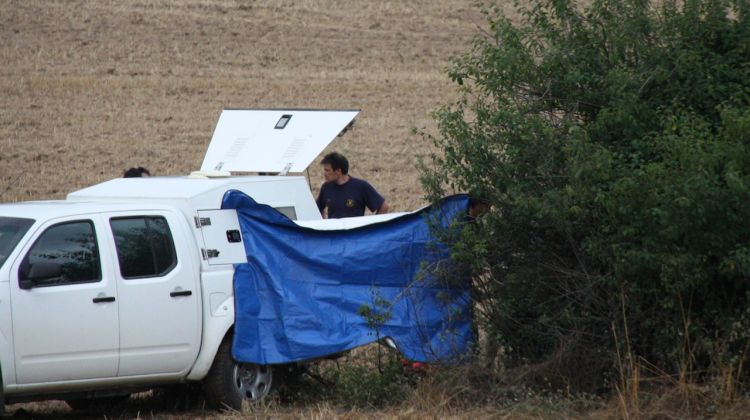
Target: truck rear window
{"x":12,"y":230}
{"x":144,"y":246}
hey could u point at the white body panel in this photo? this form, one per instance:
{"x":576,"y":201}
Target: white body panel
{"x":160,"y":320}
{"x":59,"y":333}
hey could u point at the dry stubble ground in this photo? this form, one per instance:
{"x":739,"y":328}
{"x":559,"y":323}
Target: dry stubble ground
{"x":90,"y":88}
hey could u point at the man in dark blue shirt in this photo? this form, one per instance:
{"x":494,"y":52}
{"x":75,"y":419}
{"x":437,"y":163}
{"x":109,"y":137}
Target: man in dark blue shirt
{"x":343,"y":195}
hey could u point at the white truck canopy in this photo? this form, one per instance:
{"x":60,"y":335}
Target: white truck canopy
{"x":280,"y":192}
{"x":272,"y":140}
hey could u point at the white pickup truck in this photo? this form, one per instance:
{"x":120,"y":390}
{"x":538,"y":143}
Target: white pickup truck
{"x":127,"y":285}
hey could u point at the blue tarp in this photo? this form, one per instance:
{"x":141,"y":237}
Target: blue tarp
{"x":303,"y":292}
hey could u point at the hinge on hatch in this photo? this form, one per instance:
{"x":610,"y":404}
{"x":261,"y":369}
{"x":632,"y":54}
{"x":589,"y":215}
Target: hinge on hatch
{"x":286,"y":169}
{"x":202,"y":221}
{"x":209,"y":253}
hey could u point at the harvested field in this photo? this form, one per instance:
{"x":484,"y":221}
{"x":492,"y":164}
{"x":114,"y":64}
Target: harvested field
{"x":92,"y":88}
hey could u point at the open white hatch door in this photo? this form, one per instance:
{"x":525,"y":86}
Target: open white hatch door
{"x":272,"y":140}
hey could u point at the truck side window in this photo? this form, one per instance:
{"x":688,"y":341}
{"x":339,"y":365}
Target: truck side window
{"x":288,"y":211}
{"x":64,"y":254}
{"x":144,"y":246}
{"x":12,"y":230}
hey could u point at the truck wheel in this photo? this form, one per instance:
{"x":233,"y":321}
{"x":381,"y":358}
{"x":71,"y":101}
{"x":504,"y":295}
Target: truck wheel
{"x":228,"y":383}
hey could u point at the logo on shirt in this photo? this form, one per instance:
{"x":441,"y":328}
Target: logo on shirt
{"x":350,"y":203}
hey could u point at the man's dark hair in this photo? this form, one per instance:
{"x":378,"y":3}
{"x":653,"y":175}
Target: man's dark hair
{"x":136,"y":172}
{"x":337,"y":161}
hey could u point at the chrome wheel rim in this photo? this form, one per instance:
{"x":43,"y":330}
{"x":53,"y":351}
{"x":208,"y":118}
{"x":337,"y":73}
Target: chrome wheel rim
{"x":252,"y":381}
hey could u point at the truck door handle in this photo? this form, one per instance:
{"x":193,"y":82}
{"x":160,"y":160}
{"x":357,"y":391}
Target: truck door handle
{"x":181,"y":293}
{"x":104,"y":299}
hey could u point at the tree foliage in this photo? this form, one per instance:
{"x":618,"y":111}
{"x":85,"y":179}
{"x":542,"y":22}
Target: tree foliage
{"x":613,"y":142}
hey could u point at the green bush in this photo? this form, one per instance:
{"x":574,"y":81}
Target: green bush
{"x":612,"y":142}
{"x":362,"y":386}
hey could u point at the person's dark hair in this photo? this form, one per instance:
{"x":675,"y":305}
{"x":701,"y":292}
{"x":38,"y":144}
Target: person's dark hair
{"x":337,"y":161}
{"x":136,"y":172}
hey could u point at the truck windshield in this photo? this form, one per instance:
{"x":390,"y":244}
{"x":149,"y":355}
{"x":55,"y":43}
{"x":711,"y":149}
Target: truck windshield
{"x":12,"y":230}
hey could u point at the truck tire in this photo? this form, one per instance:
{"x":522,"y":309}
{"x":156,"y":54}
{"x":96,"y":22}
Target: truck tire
{"x":229,"y":383}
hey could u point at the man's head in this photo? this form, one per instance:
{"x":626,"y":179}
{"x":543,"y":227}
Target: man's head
{"x":136,"y":172}
{"x":335,"y":166}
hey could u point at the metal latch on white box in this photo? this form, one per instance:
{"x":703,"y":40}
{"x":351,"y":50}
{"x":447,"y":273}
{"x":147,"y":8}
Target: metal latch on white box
{"x":222,"y":237}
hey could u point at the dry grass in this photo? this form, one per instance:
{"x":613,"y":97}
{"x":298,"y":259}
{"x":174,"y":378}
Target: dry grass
{"x":466,"y":392}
